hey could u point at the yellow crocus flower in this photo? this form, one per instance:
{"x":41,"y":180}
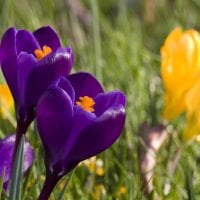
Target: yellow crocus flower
{"x":192,"y":127}
{"x":180,"y":69}
{"x":6,"y":101}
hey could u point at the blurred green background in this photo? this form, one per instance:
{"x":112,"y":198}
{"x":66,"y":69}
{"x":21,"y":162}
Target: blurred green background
{"x":119,"y":41}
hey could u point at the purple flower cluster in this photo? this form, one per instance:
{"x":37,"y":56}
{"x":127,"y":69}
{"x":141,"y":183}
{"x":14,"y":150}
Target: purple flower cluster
{"x":76,"y":119}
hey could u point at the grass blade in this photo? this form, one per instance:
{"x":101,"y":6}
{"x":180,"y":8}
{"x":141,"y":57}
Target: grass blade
{"x":97,"y":40}
{"x":15,"y":192}
{"x":189,"y":184}
{"x":61,"y":196}
{"x":1,"y":182}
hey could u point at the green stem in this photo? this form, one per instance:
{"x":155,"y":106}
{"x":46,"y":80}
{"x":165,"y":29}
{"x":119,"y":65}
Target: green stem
{"x":97,"y":40}
{"x":66,"y":184}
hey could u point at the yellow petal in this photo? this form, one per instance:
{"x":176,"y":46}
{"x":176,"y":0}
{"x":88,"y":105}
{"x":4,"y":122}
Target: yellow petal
{"x":180,"y":69}
{"x":6,"y":101}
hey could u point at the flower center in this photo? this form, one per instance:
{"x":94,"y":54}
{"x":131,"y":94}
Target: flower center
{"x":86,"y":103}
{"x":39,"y":54}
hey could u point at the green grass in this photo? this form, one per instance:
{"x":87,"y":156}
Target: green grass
{"x":121,"y":47}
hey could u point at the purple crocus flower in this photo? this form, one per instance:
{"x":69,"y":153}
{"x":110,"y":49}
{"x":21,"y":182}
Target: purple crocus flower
{"x":30,"y":62}
{"x":6,"y":152}
{"x":76,"y":120}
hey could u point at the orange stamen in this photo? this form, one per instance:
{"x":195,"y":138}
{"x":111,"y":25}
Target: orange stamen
{"x":86,"y":103}
{"x":39,"y":54}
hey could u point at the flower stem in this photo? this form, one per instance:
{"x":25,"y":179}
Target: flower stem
{"x":48,"y":186}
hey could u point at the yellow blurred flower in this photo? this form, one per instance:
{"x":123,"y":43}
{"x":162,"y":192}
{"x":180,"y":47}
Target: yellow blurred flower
{"x":6,"y":101}
{"x":180,"y":69}
{"x":99,"y":167}
{"x":122,"y":190}
{"x":192,"y":112}
{"x":95,"y":166}
{"x":99,"y":192}
{"x":191,"y":129}
{"x":91,"y":164}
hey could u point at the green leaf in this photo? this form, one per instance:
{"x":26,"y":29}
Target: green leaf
{"x":189,"y":184}
{"x":61,"y":196}
{"x":1,"y":182}
{"x":15,"y":192}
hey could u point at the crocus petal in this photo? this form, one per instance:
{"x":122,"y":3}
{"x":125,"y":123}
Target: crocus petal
{"x":53,"y":66}
{"x":54,"y":121}
{"x":47,"y":36}
{"x":26,"y":63}
{"x":104,"y":101}
{"x":7,"y":47}
{"x":6,"y":101}
{"x":99,"y":135}
{"x":180,"y":69}
{"x":64,"y":84}
{"x":25,"y":41}
{"x":9,"y":67}
{"x":81,"y":120}
{"x":85,"y":84}
{"x":6,"y":151}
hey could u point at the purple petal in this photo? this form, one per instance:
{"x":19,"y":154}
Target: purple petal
{"x":7,"y":47}
{"x":61,"y":60}
{"x":81,"y":120}
{"x":85,"y":84}
{"x":98,"y":136}
{"x":53,"y":66}
{"x":47,"y":36}
{"x":71,"y":55}
{"x":6,"y":151}
{"x":27,"y":63}
{"x":54,"y":121}
{"x":25,"y":41}
{"x":64,"y":84}
{"x":105,"y":101}
{"x":9,"y":67}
